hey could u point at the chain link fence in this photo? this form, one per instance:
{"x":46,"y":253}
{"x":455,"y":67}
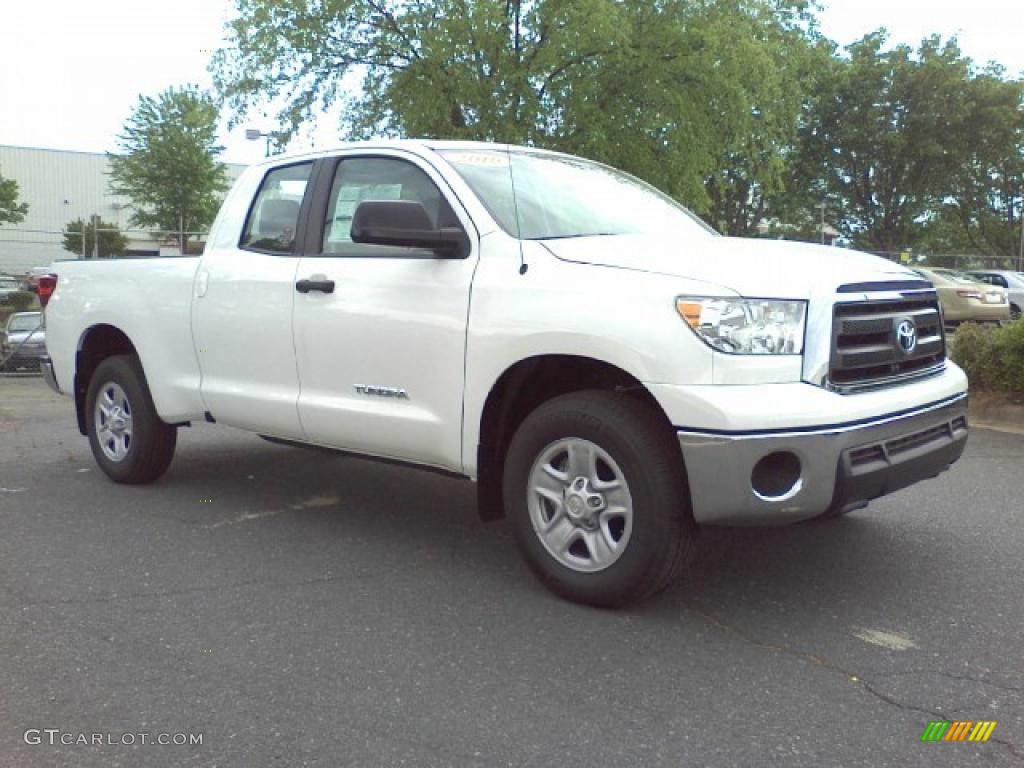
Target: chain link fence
{"x":22,"y":249}
{"x":959,"y":261}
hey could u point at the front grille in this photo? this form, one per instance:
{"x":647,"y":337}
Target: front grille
{"x":866,"y":351}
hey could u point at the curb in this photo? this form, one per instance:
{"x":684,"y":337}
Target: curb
{"x":1000,"y":411}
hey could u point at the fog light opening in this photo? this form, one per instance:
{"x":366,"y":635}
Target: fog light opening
{"x":776,"y":477}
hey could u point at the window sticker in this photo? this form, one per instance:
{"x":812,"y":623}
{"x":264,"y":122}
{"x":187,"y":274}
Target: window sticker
{"x":349,"y":199}
{"x":482,"y":159}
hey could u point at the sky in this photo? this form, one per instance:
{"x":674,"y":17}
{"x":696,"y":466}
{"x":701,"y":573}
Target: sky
{"x":72,"y":70}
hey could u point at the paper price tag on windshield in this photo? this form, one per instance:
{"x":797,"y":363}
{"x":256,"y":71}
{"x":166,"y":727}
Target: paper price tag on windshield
{"x":485,"y":159}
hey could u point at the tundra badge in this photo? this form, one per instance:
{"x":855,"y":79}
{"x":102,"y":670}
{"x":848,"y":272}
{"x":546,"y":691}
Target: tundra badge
{"x":368,"y":389}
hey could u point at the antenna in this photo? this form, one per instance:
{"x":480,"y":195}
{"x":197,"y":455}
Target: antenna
{"x":523,"y":266}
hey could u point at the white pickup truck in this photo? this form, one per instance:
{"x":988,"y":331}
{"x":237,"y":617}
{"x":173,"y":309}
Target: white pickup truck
{"x":609,"y":371}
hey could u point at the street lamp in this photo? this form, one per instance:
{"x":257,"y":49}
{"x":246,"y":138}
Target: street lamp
{"x":1020,"y":252}
{"x":254,"y":134}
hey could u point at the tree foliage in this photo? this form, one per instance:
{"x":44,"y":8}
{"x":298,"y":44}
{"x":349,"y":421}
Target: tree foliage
{"x":20,"y":301}
{"x":11,"y":211}
{"x":665,"y":89}
{"x":738,"y":108}
{"x":167,"y":163}
{"x":773,"y":62}
{"x":987,"y":194}
{"x":111,"y":242}
{"x":886,"y":132}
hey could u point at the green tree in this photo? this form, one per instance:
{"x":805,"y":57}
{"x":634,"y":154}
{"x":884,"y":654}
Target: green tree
{"x":111,"y":242}
{"x":167,"y":163}
{"x":885,"y":137}
{"x":11,"y":211}
{"x":769,"y":63}
{"x":456,"y":68}
{"x":20,"y":300}
{"x":650,"y":86}
{"x":988,"y":192}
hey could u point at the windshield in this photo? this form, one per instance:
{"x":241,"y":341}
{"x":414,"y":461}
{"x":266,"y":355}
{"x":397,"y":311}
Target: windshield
{"x":557,"y":196}
{"x":20,"y":323}
{"x":1014,"y":279}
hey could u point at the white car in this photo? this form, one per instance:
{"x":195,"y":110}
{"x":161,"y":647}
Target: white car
{"x":1012,"y":281}
{"x":609,"y":371}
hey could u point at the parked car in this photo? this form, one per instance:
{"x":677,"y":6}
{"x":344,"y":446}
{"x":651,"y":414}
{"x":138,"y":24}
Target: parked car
{"x":609,"y":370}
{"x":1012,"y":281}
{"x":24,"y":342}
{"x":965,"y":299}
{"x":8,"y":285}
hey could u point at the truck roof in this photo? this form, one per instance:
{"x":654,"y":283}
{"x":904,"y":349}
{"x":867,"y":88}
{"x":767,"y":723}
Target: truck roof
{"x":415,"y":145}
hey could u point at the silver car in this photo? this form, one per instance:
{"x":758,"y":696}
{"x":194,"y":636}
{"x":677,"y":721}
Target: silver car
{"x":1013,"y":282}
{"x":23,"y":343}
{"x":8,"y":285}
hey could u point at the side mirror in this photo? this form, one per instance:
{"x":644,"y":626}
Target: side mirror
{"x":405,"y":223}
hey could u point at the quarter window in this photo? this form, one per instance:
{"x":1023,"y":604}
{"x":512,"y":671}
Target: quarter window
{"x":274,"y":217}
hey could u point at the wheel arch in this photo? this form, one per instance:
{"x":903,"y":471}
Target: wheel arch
{"x":96,"y":344}
{"x":520,"y":389}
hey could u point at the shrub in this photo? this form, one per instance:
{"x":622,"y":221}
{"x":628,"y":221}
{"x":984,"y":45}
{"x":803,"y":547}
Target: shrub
{"x":20,"y":300}
{"x":992,"y":359}
{"x":968,"y":349}
{"x":1007,"y":358}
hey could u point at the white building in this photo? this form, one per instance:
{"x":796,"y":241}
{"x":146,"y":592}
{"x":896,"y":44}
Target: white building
{"x":59,"y":187}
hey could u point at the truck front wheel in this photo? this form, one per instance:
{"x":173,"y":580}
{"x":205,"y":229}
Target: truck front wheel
{"x":129,"y":441}
{"x":595,"y":487}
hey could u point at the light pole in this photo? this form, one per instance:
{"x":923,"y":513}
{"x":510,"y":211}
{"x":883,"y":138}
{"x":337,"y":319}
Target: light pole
{"x":822,"y":205}
{"x":254,"y":134}
{"x":1020,"y":251}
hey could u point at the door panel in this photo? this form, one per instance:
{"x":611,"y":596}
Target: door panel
{"x":242,"y":315}
{"x":381,"y":359}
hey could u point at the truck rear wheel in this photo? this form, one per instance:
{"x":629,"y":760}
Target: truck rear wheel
{"x":595,"y":487}
{"x":129,"y":441}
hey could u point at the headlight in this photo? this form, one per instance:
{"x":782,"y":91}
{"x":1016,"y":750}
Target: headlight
{"x":746,"y":326}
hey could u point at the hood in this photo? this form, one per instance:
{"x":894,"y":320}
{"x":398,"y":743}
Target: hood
{"x":16,"y":337}
{"x":761,"y":268}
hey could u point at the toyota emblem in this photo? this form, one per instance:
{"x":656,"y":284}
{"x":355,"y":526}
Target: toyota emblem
{"x":906,"y":336}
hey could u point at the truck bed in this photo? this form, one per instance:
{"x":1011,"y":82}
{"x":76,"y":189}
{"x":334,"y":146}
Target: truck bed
{"x":150,"y":301}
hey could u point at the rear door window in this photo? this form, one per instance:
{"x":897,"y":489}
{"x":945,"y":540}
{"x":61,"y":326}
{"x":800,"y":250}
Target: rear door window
{"x":274,"y":216}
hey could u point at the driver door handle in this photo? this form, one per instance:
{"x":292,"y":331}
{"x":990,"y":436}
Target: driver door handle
{"x":306,"y":285}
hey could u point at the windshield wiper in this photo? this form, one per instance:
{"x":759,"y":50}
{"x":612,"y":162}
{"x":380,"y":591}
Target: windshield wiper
{"x":570,"y":237}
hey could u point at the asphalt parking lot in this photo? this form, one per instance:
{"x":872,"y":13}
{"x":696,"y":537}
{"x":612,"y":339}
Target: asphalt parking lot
{"x":298,"y":608}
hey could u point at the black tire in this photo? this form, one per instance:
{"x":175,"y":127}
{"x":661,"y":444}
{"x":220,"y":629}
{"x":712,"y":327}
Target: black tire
{"x":152,"y":442}
{"x":1014,"y":313}
{"x":638,"y":440}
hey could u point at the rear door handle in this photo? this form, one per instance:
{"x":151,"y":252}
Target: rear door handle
{"x":306,"y":285}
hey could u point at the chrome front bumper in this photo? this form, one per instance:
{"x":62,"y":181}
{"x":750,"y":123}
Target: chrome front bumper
{"x":813,"y":471}
{"x":46,"y":366}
